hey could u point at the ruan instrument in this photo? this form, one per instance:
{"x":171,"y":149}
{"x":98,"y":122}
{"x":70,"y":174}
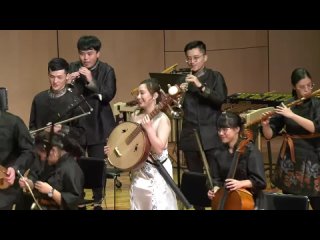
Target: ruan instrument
{"x":129,"y":144}
{"x":3,"y":174}
{"x":240,"y":199}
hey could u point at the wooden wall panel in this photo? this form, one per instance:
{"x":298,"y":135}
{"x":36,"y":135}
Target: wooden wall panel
{"x":292,"y":49}
{"x":244,"y":70}
{"x":133,"y":54}
{"x":23,"y":70}
{"x":216,"y":39}
{"x":242,"y":56}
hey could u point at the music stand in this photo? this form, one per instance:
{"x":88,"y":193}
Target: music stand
{"x":276,"y":201}
{"x":168,"y":78}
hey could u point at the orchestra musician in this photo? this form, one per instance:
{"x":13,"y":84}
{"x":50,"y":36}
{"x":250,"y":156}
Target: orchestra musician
{"x":149,"y":190}
{"x":15,"y":154}
{"x":91,"y":76}
{"x":55,"y":104}
{"x":57,"y":178}
{"x":205,"y":91}
{"x":298,"y":166}
{"x":249,"y":173}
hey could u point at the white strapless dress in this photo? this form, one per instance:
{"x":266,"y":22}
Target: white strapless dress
{"x":149,"y":191}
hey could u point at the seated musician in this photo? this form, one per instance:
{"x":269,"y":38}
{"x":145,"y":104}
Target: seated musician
{"x":56,"y":103}
{"x":15,"y":153}
{"x":149,"y":190}
{"x":57,"y":180}
{"x":249,"y":173}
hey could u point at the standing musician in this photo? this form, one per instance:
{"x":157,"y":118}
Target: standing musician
{"x":298,"y":166}
{"x":206,"y":90}
{"x":55,"y":104}
{"x":15,"y":154}
{"x":149,"y":190}
{"x":91,"y":76}
{"x":58,"y":182}
{"x":249,"y":173}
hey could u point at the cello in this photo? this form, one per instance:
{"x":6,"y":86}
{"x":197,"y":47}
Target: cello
{"x":240,"y":199}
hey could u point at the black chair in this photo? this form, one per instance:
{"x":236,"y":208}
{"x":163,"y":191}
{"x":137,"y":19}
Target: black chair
{"x":193,"y":186}
{"x":114,"y":173}
{"x":278,"y":201}
{"x":92,"y":169}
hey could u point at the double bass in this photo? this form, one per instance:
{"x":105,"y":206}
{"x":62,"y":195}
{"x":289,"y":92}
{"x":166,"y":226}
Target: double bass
{"x":240,"y":199}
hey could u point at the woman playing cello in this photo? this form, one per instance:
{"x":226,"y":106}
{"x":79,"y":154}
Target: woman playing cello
{"x":249,"y":172}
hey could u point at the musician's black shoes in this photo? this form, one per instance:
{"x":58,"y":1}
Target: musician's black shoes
{"x":97,"y":207}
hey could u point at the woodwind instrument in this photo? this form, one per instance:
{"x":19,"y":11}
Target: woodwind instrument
{"x":290,"y":104}
{"x":176,"y":92}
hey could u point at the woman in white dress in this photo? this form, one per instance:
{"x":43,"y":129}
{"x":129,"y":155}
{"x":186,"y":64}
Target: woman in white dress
{"x":149,"y":190}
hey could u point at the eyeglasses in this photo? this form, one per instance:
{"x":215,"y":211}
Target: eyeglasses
{"x":194,"y":58}
{"x":309,"y":86}
{"x":223,"y":130}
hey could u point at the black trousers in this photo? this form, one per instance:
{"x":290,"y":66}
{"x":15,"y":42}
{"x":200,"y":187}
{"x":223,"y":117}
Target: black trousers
{"x":97,"y":151}
{"x":195,"y":164}
{"x":194,"y":161}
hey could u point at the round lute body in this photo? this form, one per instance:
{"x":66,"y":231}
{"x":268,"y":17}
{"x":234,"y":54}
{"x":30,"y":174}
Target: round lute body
{"x":129,"y":146}
{"x":3,"y":173}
